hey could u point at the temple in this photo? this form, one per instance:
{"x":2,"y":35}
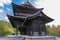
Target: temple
{"x":29,"y":20}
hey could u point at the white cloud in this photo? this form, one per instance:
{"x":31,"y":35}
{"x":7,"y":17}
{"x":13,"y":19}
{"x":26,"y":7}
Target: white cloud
{"x":6,"y":18}
{"x":1,"y":10}
{"x":22,"y":2}
{"x":6,"y":1}
{"x":38,"y":3}
{"x":2,"y":2}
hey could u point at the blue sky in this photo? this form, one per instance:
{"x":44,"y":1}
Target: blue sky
{"x":51,"y":8}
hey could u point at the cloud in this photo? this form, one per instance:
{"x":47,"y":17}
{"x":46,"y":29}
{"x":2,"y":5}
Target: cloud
{"x":1,"y":10}
{"x":2,"y":2}
{"x":6,"y":18}
{"x":6,"y":1}
{"x":22,"y":2}
{"x":38,"y":3}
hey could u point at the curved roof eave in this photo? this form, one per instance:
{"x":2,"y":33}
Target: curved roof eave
{"x":16,"y":17}
{"x":48,"y":19}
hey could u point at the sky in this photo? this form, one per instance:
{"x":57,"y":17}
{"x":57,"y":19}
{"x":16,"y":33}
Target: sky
{"x":51,"y":8}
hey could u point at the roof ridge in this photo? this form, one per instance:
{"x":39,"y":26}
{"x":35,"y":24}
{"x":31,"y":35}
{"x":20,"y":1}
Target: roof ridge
{"x":27,"y":4}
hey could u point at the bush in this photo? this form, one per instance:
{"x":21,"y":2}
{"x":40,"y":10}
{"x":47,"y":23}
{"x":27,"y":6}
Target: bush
{"x":53,"y":31}
{"x":5,"y":29}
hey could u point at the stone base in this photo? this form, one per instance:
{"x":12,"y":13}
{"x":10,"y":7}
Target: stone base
{"x":40,"y":38}
{"x":24,"y":37}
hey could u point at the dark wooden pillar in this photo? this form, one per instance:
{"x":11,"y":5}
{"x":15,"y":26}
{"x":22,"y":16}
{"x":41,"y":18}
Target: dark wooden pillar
{"x":17,"y":29}
{"x":42,"y":30}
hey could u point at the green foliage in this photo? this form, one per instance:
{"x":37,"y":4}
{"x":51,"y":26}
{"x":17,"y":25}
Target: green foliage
{"x":53,"y":31}
{"x":5,"y":28}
